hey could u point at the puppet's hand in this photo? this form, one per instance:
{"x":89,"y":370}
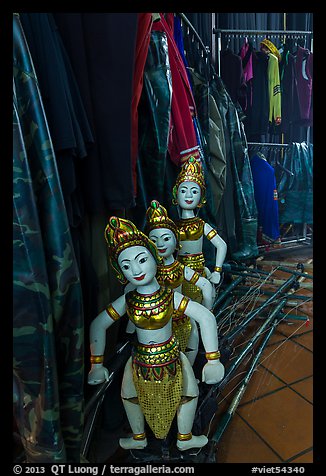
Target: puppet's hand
{"x":215,"y":277}
{"x":97,"y":374}
{"x":213,"y":371}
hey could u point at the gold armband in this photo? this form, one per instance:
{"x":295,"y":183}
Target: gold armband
{"x":139,"y":436}
{"x":213,"y":355}
{"x":97,"y":359}
{"x":194,"y":278}
{"x":211,"y":234}
{"x":112,"y":312}
{"x":218,"y":269}
{"x":183,"y":304}
{"x":184,"y":436}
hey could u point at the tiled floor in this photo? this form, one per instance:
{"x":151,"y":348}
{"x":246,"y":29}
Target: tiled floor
{"x":273,"y":422}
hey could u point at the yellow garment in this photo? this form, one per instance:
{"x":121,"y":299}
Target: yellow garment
{"x":171,"y":275}
{"x":190,"y":229}
{"x":157,"y":375}
{"x":150,"y":311}
{"x":197,"y":263}
{"x":274,"y":88}
{"x":181,"y":328}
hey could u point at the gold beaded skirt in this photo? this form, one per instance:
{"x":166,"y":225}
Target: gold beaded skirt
{"x":157,"y":375}
{"x":197,"y":263}
{"x":181,"y":328}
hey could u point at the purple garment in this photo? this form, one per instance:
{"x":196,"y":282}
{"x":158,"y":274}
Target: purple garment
{"x":247,"y":67}
{"x":303,"y":67}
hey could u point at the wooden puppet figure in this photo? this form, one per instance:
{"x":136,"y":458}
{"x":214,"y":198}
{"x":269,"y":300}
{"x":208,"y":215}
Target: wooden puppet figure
{"x":158,"y":382}
{"x":189,"y":194}
{"x":164,"y":233}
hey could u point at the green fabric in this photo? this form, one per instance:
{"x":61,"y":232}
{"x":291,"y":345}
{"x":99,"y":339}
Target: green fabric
{"x":153,"y":128}
{"x":295,"y":191}
{"x":48,"y":334}
{"x":244,"y":205}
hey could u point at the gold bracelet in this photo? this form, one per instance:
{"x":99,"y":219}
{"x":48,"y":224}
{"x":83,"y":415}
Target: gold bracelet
{"x":211,"y":234}
{"x":218,"y":269}
{"x":184,"y":436}
{"x":213,"y":355}
{"x":139,"y":436}
{"x":97,"y":359}
{"x":112,"y":312}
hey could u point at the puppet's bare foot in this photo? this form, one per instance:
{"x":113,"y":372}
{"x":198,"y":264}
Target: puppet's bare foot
{"x":132,"y":444}
{"x":194,"y":442}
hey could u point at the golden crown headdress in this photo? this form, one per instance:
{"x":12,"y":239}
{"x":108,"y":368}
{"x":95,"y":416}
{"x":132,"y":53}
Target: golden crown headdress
{"x":191,"y":171}
{"x":157,"y":217}
{"x":121,"y":234}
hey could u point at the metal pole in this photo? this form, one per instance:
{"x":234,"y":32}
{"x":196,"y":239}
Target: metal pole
{"x":219,"y":48}
{"x":226,"y":418}
{"x":262,"y":32}
{"x":246,"y":289}
{"x":228,"y":337}
{"x":251,"y":342}
{"x":288,"y":264}
{"x":227,"y":290}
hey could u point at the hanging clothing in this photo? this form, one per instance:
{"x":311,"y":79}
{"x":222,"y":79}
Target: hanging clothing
{"x":101,"y":48}
{"x":274,"y":89}
{"x":266,"y":198}
{"x":71,"y":133}
{"x":178,"y":38}
{"x":245,"y":54}
{"x":68,"y":122}
{"x":233,"y":77}
{"x":48,"y":327}
{"x":289,"y":92}
{"x":65,"y":112}
{"x":154,"y":112}
{"x":144,"y":27}
{"x":295,"y":190}
{"x":182,"y":137}
{"x":257,"y":112}
{"x":304,"y":73}
{"x":238,"y":206}
{"x":226,"y":211}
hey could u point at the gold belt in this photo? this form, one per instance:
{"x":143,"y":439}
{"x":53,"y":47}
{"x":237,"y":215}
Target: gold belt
{"x":153,"y":355}
{"x":194,"y":261}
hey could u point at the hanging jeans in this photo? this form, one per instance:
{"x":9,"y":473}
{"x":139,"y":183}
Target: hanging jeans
{"x":48,"y":344}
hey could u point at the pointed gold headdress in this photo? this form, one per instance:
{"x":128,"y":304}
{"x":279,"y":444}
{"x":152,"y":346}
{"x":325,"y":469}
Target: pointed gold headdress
{"x":121,"y":234}
{"x":157,"y":217}
{"x":191,"y":171}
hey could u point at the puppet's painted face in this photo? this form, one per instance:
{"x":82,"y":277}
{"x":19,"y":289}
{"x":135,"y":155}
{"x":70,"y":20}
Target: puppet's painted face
{"x":165,"y":241}
{"x":189,"y":195}
{"x":138,"y":265}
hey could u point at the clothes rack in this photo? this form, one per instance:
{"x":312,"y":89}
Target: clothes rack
{"x":205,"y":49}
{"x":295,"y":34}
{"x":267,"y":144}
